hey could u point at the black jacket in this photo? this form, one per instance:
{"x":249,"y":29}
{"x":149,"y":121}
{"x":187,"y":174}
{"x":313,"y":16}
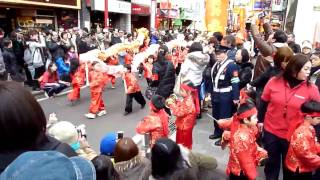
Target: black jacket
{"x":295,"y":47}
{"x":115,"y":40}
{"x":56,"y":50}
{"x":46,"y":144}
{"x":12,"y":67}
{"x":166,"y":74}
{"x":245,"y":74}
{"x":261,"y":81}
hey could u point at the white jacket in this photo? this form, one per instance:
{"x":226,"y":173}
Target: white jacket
{"x":193,"y":67}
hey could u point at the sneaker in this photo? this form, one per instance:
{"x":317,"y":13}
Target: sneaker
{"x":112,"y":87}
{"x":126,"y":113}
{"x":102,"y":113}
{"x":90,"y":116}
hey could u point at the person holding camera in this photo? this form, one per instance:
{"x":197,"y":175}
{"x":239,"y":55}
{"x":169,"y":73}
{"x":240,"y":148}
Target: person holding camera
{"x":68,"y":133}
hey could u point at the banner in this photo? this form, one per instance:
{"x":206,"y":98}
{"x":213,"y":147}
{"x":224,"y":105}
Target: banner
{"x":216,"y":15}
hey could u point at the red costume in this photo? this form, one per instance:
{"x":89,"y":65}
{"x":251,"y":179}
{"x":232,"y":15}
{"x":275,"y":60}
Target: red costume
{"x":304,"y":150}
{"x":131,"y":83}
{"x":112,"y":61}
{"x":133,"y":90}
{"x":97,"y":83}
{"x":245,"y":154}
{"x":128,"y":59}
{"x":156,"y":123}
{"x":185,"y":111}
{"x":78,"y":79}
{"x":48,"y":78}
{"x":147,"y":69}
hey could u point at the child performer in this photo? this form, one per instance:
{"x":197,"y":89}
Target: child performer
{"x":156,"y":123}
{"x":304,"y":150}
{"x":245,"y":154}
{"x":185,"y":111}
{"x":128,"y":58}
{"x":113,"y":60}
{"x":146,"y":67}
{"x":132,"y":89}
{"x":97,"y":82}
{"x":78,"y":75}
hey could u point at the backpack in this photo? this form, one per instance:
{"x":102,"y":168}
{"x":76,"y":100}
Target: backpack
{"x":28,"y":56}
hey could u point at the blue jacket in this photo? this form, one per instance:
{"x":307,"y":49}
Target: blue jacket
{"x":154,"y":39}
{"x":63,"y":68}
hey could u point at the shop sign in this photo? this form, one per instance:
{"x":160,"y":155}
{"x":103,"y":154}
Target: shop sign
{"x":173,"y":13}
{"x":137,"y":9}
{"x":113,"y":6}
{"x":142,"y":2}
{"x":259,"y":5}
{"x":119,"y":6}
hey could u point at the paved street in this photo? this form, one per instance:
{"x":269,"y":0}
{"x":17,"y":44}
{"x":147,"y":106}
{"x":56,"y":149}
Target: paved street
{"x":116,"y":121}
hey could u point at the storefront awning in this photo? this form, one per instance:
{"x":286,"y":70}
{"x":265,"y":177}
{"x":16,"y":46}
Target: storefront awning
{"x":177,"y":22}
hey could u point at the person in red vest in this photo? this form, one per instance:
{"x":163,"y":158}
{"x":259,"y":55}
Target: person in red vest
{"x":156,"y":123}
{"x":113,"y":60}
{"x":97,"y":83}
{"x":303,"y":155}
{"x":185,"y":111}
{"x":132,"y":89}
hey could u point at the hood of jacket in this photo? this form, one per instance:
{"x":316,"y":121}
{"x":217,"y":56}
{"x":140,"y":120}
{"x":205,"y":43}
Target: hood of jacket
{"x":198,"y":58}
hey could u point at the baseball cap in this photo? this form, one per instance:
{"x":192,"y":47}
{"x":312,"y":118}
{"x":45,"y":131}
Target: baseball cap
{"x":45,"y":165}
{"x":108,"y":144}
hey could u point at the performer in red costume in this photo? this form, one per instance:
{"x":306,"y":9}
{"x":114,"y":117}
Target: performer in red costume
{"x":185,"y":111}
{"x":132,"y":89}
{"x":97,"y":83}
{"x":113,"y":60}
{"x":245,"y":154}
{"x":146,"y":67}
{"x":156,"y":123}
{"x":304,"y":150}
{"x":128,"y":58}
{"x":78,"y":75}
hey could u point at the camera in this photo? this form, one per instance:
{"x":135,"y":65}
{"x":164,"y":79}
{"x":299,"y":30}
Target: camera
{"x":82,"y":130}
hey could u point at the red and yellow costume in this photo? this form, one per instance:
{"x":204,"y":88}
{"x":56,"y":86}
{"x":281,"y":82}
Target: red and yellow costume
{"x":97,"y":83}
{"x":185,"y":111}
{"x":78,"y":79}
{"x":245,"y":154}
{"x":304,"y":150}
{"x":113,"y":60}
{"x":156,"y":123}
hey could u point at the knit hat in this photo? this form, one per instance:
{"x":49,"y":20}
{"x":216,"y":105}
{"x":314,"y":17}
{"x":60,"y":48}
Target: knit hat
{"x":65,"y":132}
{"x":306,"y":44}
{"x":43,"y":165}
{"x":157,"y":101}
{"x":108,"y":144}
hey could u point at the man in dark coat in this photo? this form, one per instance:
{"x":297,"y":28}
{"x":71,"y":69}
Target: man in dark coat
{"x":16,"y":72}
{"x":56,"y":49}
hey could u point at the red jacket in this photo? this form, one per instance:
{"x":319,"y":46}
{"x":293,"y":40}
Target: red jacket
{"x":79,"y":76}
{"x":47,"y":78}
{"x":97,"y":81}
{"x":245,"y":154}
{"x":154,"y":125}
{"x":147,"y":68}
{"x":131,"y":83}
{"x":303,"y":152}
{"x":185,"y":111}
{"x":275,"y":92}
{"x":128,"y":59}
